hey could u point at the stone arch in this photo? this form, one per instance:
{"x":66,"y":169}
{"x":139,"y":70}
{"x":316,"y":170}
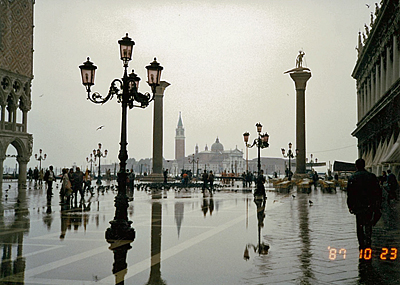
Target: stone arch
{"x":23,"y":145}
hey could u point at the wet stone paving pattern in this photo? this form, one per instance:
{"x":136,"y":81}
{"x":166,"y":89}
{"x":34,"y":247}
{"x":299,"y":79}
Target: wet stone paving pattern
{"x":187,"y":238}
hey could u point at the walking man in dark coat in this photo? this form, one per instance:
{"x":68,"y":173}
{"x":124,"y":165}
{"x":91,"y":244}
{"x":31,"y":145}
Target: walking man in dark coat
{"x":364,"y":199}
{"x":205,"y":180}
{"x":49,"y":177}
{"x":393,"y":185}
{"x":77,"y":183}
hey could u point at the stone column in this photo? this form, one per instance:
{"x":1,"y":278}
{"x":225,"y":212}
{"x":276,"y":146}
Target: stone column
{"x":22,"y":166}
{"x":157,"y":174}
{"x":377,"y":83}
{"x":370,"y":98}
{"x":25,"y":120}
{"x":367,"y":103}
{"x":359,"y":105}
{"x":2,"y":158}
{"x":300,"y":78}
{"x":3,"y":116}
{"x":372,"y":81}
{"x":395,"y":59}
{"x":383,"y":77}
{"x":389,"y":69}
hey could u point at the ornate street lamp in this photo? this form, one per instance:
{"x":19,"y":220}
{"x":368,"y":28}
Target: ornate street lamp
{"x":192,"y":161}
{"x":289,"y":155}
{"x":261,"y":142}
{"x":40,"y":158}
{"x":126,"y":91}
{"x":312,"y":161}
{"x":91,"y":160}
{"x":98,"y":153}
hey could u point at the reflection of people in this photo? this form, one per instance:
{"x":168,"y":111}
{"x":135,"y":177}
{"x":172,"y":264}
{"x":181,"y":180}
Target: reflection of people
{"x":364,"y":198}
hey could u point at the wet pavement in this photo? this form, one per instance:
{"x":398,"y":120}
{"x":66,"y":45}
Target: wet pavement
{"x":186,"y":238}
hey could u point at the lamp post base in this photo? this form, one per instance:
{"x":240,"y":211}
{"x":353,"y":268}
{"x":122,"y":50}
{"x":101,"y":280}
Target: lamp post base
{"x":120,"y":230}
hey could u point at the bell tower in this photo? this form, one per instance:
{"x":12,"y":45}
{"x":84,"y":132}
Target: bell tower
{"x":179,"y":139}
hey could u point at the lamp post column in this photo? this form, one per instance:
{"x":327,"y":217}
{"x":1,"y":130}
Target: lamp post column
{"x":259,"y":155}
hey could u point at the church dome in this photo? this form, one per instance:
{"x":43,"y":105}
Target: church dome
{"x":217,"y":146}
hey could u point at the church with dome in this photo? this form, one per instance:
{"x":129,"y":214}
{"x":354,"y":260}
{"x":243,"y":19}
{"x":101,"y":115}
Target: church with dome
{"x":216,"y":158}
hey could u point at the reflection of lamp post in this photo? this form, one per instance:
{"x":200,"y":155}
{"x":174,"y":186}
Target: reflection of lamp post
{"x":99,"y":154}
{"x":91,"y":160}
{"x":290,"y":156}
{"x":261,"y":248}
{"x":192,"y":161}
{"x":261,"y":142}
{"x":126,"y":91}
{"x":40,"y":158}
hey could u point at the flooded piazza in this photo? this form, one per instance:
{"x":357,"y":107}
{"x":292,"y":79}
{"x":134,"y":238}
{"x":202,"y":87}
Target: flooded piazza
{"x":183,"y":237}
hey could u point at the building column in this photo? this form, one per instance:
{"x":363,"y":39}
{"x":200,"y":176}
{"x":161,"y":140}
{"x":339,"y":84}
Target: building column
{"x":359,"y":106}
{"x":372,"y":82}
{"x":22,"y":166}
{"x":25,"y":120}
{"x":389,"y":69}
{"x":370,"y":98}
{"x":300,"y":78}
{"x":383,"y":76}
{"x":3,"y":116}
{"x":395,"y":59}
{"x":2,"y":158}
{"x":366,"y":105}
{"x":377,"y":83}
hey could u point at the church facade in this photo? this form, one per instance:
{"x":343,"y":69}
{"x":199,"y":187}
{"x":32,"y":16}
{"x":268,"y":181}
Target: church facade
{"x":377,"y":73}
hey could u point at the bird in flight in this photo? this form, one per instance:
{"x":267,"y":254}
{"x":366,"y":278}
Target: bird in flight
{"x":99,"y":128}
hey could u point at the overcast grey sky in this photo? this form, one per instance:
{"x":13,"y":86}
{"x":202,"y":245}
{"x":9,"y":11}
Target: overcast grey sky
{"x":225,"y":62}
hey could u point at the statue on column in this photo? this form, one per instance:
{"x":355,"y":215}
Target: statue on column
{"x":299,"y":59}
{"x":299,"y":63}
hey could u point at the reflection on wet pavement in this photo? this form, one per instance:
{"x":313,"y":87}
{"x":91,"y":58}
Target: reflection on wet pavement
{"x":187,"y":238}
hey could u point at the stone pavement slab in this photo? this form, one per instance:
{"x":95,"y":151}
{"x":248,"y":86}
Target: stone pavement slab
{"x":187,"y":238}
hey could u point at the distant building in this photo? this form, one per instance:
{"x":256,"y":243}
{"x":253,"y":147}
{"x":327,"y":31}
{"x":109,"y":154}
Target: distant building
{"x":217,"y":159}
{"x":377,"y":73}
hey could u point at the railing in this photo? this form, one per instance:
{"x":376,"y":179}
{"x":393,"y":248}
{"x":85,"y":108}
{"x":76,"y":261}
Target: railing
{"x":18,"y":127}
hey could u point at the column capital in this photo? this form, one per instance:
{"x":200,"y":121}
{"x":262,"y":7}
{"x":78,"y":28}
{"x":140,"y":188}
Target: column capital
{"x":21,"y":159}
{"x":161,"y":88}
{"x":300,"y":79}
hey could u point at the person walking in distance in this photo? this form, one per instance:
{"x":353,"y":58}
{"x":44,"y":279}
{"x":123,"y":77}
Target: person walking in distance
{"x":36,"y":175}
{"x":392,"y":185}
{"x":211,"y":180}
{"x":77,"y":183}
{"x":49,"y":177}
{"x":205,"y":181}
{"x":364,"y":199}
